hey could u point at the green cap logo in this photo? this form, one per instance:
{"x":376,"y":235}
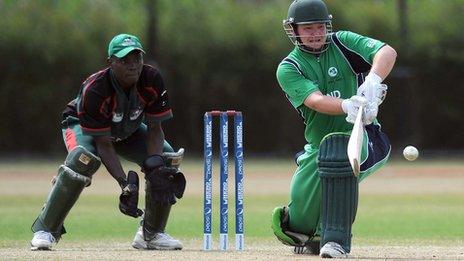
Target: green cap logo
{"x":122,"y":44}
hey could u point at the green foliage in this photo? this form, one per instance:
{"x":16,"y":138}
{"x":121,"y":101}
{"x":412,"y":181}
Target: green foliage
{"x":438,"y":31}
{"x":213,"y":54}
{"x":373,"y":18}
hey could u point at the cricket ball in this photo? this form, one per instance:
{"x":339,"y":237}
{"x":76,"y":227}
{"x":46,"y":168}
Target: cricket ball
{"x":410,"y":153}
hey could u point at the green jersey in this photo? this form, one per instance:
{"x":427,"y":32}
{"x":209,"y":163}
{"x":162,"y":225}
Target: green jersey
{"x":337,"y":72}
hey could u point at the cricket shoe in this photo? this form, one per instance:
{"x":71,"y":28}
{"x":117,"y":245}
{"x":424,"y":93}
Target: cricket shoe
{"x":42,"y":241}
{"x":309,"y":249}
{"x":161,"y":241}
{"x":333,"y":250}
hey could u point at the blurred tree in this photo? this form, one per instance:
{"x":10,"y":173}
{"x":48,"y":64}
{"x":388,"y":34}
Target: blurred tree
{"x":223,"y":55}
{"x":152,"y":32}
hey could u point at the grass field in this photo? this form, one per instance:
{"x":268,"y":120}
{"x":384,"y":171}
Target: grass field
{"x":417,"y":204}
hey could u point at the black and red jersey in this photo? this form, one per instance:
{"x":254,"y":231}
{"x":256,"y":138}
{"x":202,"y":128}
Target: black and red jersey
{"x":103,"y":108}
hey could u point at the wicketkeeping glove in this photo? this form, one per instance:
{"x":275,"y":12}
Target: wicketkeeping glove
{"x":129,"y":198}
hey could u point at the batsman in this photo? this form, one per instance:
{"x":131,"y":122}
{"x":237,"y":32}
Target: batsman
{"x":326,"y":78}
{"x":118,"y":112}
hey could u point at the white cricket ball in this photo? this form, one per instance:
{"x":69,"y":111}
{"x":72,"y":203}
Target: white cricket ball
{"x":410,"y":153}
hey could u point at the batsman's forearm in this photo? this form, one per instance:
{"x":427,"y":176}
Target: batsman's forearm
{"x":324,"y":104}
{"x":384,"y":60}
{"x":110,"y":160}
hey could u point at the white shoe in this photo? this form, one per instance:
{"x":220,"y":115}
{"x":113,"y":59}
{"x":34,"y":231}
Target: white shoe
{"x":333,"y":250}
{"x":139,"y":242}
{"x":42,"y":241}
{"x":161,"y":241}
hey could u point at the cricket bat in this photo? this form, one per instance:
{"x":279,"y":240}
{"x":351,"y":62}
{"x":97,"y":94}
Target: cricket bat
{"x":355,"y":142}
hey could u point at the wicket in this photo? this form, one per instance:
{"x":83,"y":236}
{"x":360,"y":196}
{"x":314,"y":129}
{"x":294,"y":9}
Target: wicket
{"x":223,"y":179}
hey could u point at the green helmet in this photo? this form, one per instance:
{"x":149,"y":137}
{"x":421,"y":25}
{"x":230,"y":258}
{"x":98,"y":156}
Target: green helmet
{"x":307,"y":12}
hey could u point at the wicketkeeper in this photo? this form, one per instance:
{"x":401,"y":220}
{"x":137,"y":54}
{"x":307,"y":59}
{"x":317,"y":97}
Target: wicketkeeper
{"x":326,"y":78}
{"x":118,"y":112}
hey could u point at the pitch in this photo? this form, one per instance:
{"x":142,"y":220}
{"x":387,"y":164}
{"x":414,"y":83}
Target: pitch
{"x":407,"y":210}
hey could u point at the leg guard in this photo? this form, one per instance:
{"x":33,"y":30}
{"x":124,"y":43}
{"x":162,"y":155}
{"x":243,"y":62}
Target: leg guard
{"x":339,"y":190}
{"x":82,"y":161}
{"x":156,"y":216}
{"x":66,"y":190}
{"x":173,"y":159}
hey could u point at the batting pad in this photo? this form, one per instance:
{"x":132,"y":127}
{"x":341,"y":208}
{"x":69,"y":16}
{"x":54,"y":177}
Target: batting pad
{"x":339,"y":190}
{"x":64,"y":194}
{"x":156,"y":215}
{"x":82,"y":161}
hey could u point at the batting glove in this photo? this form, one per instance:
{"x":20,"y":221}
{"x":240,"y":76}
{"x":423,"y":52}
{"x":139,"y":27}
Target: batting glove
{"x":370,"y":112}
{"x":372,"y":89}
{"x":351,"y":107}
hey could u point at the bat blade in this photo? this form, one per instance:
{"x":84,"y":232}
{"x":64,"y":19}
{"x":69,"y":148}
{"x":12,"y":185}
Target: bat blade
{"x":355,"y":142}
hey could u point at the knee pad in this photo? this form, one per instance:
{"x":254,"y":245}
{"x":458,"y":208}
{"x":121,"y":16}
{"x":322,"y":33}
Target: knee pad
{"x":339,"y":190}
{"x":65,"y":192}
{"x":82,"y":161}
{"x":173,"y":159}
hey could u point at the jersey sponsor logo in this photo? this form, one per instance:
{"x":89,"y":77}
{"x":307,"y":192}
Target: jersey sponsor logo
{"x":332,"y":72}
{"x":135,"y":113}
{"x":117,"y":116}
{"x":335,"y":94}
